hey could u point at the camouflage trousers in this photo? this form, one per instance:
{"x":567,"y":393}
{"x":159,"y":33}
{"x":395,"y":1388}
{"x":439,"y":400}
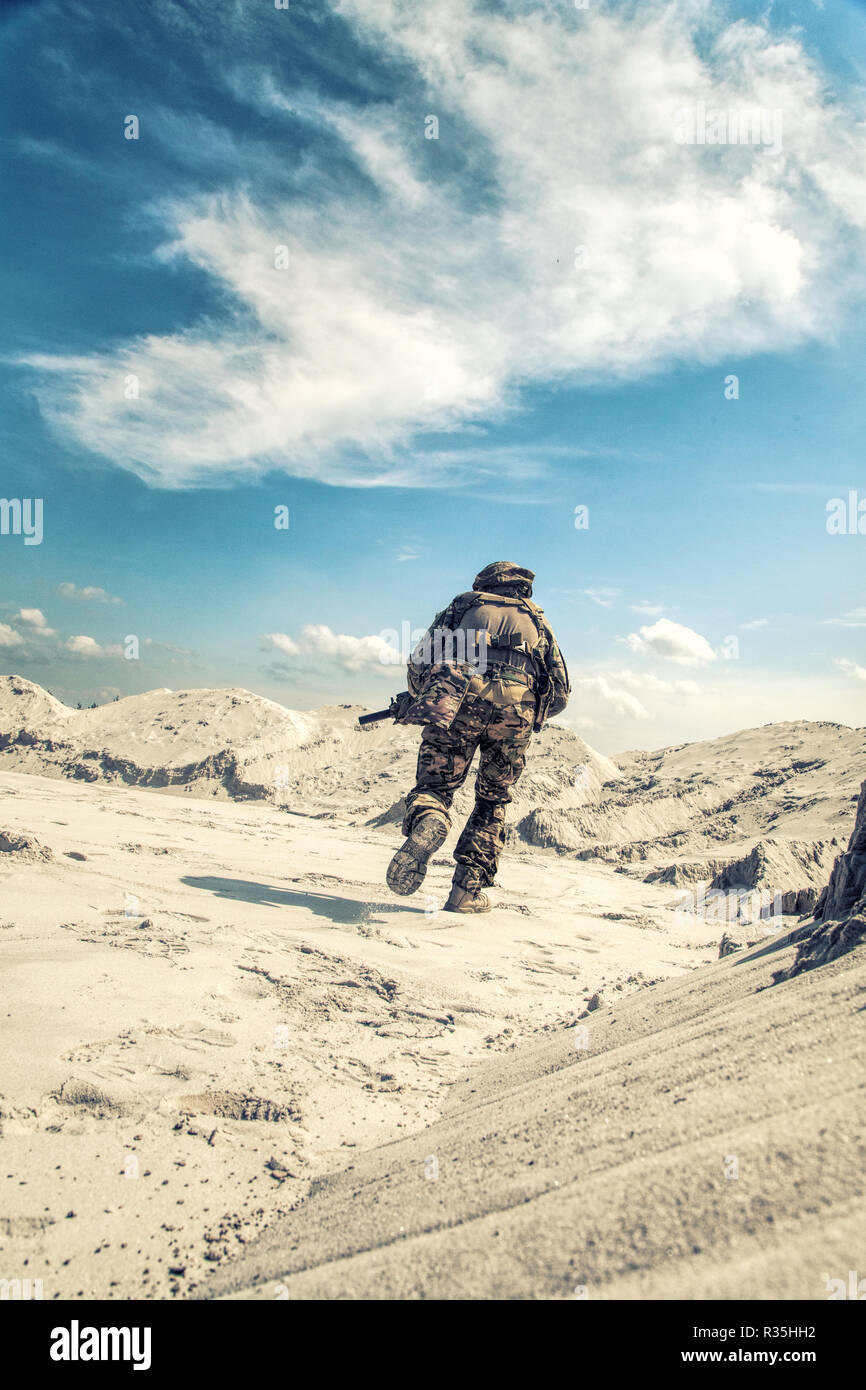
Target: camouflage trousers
{"x":496,"y":717}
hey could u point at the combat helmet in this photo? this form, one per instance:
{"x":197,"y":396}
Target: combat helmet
{"x":503,"y":574}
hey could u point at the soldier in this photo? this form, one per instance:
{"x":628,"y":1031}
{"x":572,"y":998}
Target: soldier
{"x":495,"y":699}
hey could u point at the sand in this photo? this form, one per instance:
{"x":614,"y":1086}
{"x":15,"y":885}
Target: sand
{"x":233,"y":1064}
{"x":708,"y":1143}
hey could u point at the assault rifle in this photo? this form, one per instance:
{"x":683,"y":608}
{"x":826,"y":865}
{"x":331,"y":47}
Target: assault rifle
{"x":396,"y":710}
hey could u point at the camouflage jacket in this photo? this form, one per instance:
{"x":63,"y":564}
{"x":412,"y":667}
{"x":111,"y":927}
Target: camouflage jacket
{"x":545,"y":651}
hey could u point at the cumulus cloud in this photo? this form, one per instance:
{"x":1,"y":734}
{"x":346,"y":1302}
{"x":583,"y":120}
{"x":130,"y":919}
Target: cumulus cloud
{"x":319,"y":647}
{"x":81,"y":645}
{"x":608,"y":691}
{"x":282,"y":643}
{"x":35,"y":620}
{"x":9,"y":637}
{"x":90,"y":593}
{"x":673,"y":642}
{"x":533,"y":241}
{"x":620,"y":700}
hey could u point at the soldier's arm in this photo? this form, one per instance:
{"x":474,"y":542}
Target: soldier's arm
{"x":419,"y":661}
{"x":558,"y":672}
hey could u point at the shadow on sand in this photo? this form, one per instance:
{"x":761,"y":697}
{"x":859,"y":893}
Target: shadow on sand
{"x":778,"y":943}
{"x":322,"y":904}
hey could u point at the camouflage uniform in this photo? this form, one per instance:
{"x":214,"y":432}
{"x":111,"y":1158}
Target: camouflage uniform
{"x":495,"y":712}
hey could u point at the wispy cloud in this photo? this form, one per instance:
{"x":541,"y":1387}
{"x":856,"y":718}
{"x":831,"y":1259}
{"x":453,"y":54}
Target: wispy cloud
{"x":603,"y":597}
{"x":855,"y":617}
{"x":647,"y":610}
{"x":427,"y":291}
{"x":851,"y":668}
{"x":648,"y":681}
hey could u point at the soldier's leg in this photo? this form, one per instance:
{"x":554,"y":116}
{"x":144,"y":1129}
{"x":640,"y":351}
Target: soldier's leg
{"x":503,"y":757}
{"x":444,"y":759}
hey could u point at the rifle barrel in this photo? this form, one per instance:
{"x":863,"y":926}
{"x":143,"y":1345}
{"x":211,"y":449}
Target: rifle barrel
{"x":373,"y":718}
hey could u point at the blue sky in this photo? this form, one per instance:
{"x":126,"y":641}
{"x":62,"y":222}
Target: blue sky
{"x":435,"y":375}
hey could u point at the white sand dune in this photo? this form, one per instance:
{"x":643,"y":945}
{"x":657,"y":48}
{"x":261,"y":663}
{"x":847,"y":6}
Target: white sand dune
{"x":707,"y":1142}
{"x":795,"y":780}
{"x":567,"y":1171}
{"x":217,"y":1016}
{"x":232,"y":1000}
{"x":216,"y":742}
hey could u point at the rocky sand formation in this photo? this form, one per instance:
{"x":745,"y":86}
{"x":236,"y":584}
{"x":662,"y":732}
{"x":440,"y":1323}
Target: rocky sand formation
{"x":840,"y":914}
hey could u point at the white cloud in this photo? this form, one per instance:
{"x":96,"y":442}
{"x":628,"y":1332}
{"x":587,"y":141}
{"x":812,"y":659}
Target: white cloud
{"x":855,"y":617}
{"x":35,"y":619}
{"x":645,"y":680}
{"x":608,"y":692}
{"x":427,"y":300}
{"x":851,"y":668}
{"x":9,"y":637}
{"x":603,"y":597}
{"x":647,"y":610}
{"x":582,"y":721}
{"x":320,"y":647}
{"x":620,"y":700}
{"x":90,"y":593}
{"x":755,"y":623}
{"x":282,"y":643}
{"x":82,"y":645}
{"x":673,"y":642}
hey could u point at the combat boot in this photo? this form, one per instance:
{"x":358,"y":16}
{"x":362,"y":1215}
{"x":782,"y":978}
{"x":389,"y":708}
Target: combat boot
{"x":467,"y":900}
{"x":408,"y":868}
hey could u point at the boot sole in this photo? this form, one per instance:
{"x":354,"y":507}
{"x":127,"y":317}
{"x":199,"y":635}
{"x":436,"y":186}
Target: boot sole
{"x":408,"y":868}
{"x":469,"y":911}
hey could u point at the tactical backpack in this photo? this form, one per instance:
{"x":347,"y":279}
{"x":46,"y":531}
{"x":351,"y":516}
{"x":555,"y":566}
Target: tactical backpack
{"x":509,"y":628}
{"x":506,"y":625}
